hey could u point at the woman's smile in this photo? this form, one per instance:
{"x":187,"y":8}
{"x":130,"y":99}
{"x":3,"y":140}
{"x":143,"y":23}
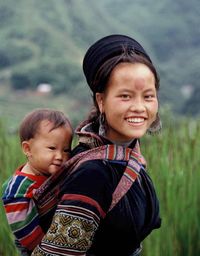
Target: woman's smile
{"x":135,"y":120}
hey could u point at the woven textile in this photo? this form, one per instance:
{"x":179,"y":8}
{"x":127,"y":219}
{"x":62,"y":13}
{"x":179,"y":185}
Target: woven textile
{"x":47,"y":195}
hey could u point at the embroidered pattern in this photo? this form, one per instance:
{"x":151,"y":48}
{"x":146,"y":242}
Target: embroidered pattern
{"x":71,"y":232}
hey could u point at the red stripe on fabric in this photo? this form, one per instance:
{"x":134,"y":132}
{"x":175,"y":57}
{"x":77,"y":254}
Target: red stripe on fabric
{"x":135,"y":155}
{"x":111,"y":152}
{"x":16,"y":207}
{"x":138,"y":158}
{"x":79,"y":211}
{"x":127,"y":154}
{"x":131,"y":173}
{"x":33,"y":239}
{"x":84,"y":199}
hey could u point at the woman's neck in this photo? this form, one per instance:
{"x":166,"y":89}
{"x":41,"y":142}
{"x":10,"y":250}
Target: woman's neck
{"x":122,"y":143}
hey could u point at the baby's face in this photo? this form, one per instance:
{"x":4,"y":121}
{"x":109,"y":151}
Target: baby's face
{"x":49,"y":149}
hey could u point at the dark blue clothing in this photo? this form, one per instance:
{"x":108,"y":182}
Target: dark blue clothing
{"x":131,"y":220}
{"x":82,"y":223}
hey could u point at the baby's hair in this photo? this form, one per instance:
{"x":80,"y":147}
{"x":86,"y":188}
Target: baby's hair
{"x":30,"y":124}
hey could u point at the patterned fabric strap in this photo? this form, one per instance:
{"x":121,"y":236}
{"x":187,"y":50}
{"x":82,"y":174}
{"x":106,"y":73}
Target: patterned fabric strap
{"x":46,"y":195}
{"x":130,"y":174}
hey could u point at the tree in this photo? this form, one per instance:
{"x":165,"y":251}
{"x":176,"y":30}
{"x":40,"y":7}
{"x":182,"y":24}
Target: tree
{"x":192,"y":105}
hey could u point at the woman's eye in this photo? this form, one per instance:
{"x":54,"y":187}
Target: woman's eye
{"x":149,"y":97}
{"x":125,"y":96}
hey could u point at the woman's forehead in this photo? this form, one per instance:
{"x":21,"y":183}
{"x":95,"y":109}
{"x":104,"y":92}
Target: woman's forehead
{"x":126,"y":73}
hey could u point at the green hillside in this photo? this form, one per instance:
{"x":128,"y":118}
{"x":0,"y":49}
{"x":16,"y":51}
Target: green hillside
{"x":44,"y":42}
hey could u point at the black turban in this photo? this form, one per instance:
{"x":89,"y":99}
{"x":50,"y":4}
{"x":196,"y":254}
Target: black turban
{"x":106,"y":48}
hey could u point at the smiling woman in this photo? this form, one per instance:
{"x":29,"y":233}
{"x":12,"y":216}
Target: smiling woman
{"x":131,"y":87}
{"x":108,"y":203}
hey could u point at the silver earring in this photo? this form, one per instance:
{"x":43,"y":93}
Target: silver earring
{"x":156,"y":126}
{"x":102,"y":128}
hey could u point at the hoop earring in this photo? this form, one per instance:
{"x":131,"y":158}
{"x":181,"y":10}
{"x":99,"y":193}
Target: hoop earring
{"x":102,"y":127}
{"x":156,"y":126}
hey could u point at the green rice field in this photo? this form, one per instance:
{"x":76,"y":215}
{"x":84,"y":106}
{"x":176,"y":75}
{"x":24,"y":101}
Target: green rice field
{"x":173,"y":159}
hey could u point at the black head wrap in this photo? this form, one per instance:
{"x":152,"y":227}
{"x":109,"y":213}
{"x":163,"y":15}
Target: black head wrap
{"x":104,"y":49}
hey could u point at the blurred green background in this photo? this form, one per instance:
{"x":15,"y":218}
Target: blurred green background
{"x":42,"y":44}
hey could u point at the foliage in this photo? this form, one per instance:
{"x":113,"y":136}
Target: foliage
{"x":44,"y":41}
{"x":20,"y":81}
{"x":173,"y":163}
{"x":192,"y":106}
{"x":10,"y":157}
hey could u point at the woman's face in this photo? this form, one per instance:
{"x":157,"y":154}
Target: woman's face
{"x":129,"y":102}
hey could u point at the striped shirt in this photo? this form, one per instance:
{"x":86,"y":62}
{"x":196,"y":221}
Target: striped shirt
{"x":21,"y":210}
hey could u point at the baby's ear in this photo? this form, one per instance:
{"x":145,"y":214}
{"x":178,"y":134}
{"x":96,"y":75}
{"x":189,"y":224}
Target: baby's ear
{"x":26,"y":148}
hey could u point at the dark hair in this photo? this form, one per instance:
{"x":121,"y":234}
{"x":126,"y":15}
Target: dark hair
{"x":30,"y":124}
{"x":103,"y":74}
{"x":105,"y":49}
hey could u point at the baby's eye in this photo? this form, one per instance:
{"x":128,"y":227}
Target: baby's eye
{"x":52,"y":148}
{"x":67,"y":150}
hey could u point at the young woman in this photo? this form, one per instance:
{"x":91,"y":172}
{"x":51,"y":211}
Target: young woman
{"x":108,"y":203}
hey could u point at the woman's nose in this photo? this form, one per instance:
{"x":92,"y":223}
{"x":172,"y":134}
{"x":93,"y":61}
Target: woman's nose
{"x":137,"y":105}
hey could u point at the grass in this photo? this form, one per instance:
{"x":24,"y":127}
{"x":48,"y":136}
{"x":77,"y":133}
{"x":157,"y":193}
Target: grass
{"x":174,"y":165}
{"x":10,"y":158}
{"x":173,"y":159}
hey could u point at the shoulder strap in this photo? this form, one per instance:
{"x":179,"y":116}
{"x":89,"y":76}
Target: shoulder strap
{"x":131,"y":173}
{"x":47,"y":195}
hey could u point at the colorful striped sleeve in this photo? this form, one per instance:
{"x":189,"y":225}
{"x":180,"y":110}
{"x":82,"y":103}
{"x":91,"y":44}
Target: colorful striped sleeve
{"x":21,"y":211}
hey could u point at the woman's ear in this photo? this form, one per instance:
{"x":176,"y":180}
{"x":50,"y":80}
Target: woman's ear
{"x":99,"y":99}
{"x":26,"y":148}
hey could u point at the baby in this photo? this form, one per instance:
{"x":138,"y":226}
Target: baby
{"x":46,"y":137}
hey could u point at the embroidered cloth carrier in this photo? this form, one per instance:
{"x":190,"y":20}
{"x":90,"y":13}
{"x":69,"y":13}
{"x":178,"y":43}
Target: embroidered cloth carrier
{"x":47,"y":196}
